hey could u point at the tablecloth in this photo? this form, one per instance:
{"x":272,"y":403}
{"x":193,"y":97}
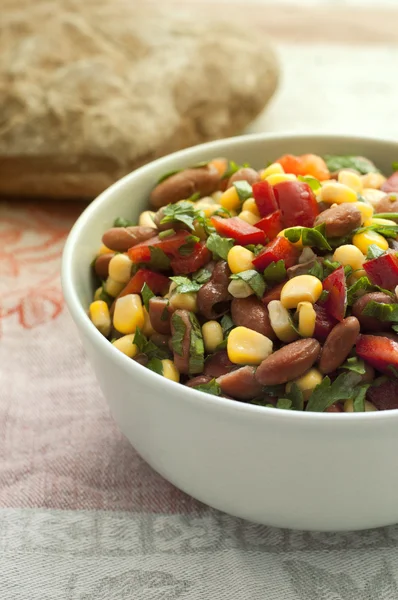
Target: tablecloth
{"x":82,"y":517}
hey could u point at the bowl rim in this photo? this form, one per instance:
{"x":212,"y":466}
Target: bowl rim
{"x":191,"y":395}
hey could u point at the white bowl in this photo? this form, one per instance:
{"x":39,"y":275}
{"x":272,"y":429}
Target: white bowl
{"x":298,"y":470}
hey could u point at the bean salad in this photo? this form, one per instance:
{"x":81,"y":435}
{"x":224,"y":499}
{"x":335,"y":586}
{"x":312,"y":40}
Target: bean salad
{"x":277,"y":287}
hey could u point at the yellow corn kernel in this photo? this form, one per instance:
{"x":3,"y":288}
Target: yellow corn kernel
{"x":352,"y":180}
{"x":147,"y":219}
{"x":246,"y":346}
{"x":306,"y":319}
{"x":230,"y":199}
{"x":298,"y":244}
{"x":372,"y":196}
{"x":240,"y":289}
{"x":112,"y":287}
{"x":120,"y":268}
{"x":249,"y":217}
{"x":349,"y":406}
{"x":128,"y":313}
{"x":367,"y":238}
{"x":147,"y":328}
{"x":337,"y":193}
{"x":212,"y":335}
{"x":208,"y":205}
{"x":365,"y":209}
{"x":281,"y":322}
{"x":348,"y":254}
{"x":377,"y":221}
{"x":216,"y":196}
{"x":184,"y":301}
{"x":307,"y":382}
{"x":373,"y":180}
{"x":99,"y":315}
{"x":303,"y":288}
{"x":170,"y":371}
{"x":250,"y":204}
{"x":125,"y":345}
{"x":273,"y":169}
{"x":97,"y":293}
{"x":240,"y":259}
{"x":279,"y":177}
{"x":104,"y":249}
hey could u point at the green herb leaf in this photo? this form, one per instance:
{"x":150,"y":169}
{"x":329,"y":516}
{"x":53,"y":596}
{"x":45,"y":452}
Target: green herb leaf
{"x":196,"y":346}
{"x":348,"y":270}
{"x":219,"y":246}
{"x":394,"y":166}
{"x":227,"y":324}
{"x":296,"y":397}
{"x":209,"y":388}
{"x":359,"y":163}
{"x":195,"y":196}
{"x":392,"y":216}
{"x":183,"y":212}
{"x":165,"y":234}
{"x":275,"y":272}
{"x":169,"y":174}
{"x":179,"y":333}
{"x":389,"y":231}
{"x":155,"y":364}
{"x":146,"y":294}
{"x":232,"y":168}
{"x":362,"y":286}
{"x":354,"y":364}
{"x":188,"y":247}
{"x":316,"y":270}
{"x":329,"y":266}
{"x":244,"y":190}
{"x":185,"y":285}
{"x":253,"y":279}
{"x":359,"y":398}
{"x":202,"y":276}
{"x":284,"y":403}
{"x":324,"y":296}
{"x":105,"y":297}
{"x":122,"y":222}
{"x":311,"y":181}
{"x":381,"y":311}
{"x":326,"y":393}
{"x":256,"y":249}
{"x":374,"y":252}
{"x":147,"y":347}
{"x":395,"y":328}
{"x":159,"y":261}
{"x":310,"y":236}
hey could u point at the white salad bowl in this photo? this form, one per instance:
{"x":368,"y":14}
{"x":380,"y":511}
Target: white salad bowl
{"x":312,"y":471}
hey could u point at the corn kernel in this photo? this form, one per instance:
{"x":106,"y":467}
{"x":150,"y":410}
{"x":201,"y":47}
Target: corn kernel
{"x":212,"y":335}
{"x":337,"y":193}
{"x":230,"y":199}
{"x":99,"y":315}
{"x":373,"y":180}
{"x":216,"y":196}
{"x":352,"y":180}
{"x":240,"y":289}
{"x":350,"y":255}
{"x":128,"y":313}
{"x":372,"y":196}
{"x":147,"y":328}
{"x":97,"y":293}
{"x":272,"y":169}
{"x":307,"y":382}
{"x":306,"y":319}
{"x":248,"y":217}
{"x":279,"y":177}
{"x":250,"y":205}
{"x":112,"y":287}
{"x":147,"y":219}
{"x":377,"y":221}
{"x":125,"y":345}
{"x":367,"y":238}
{"x":298,"y":244}
{"x":246,"y":346}
{"x":349,"y":406}
{"x":208,"y":205}
{"x":170,"y":371}
{"x":365,"y":209}
{"x":303,"y":288}
{"x":104,"y":249}
{"x":120,"y":268}
{"x":184,"y":301}
{"x":281,"y":322}
{"x":240,"y":259}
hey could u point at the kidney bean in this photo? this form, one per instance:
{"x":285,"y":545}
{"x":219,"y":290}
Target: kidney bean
{"x":244,"y":174}
{"x":181,"y":361}
{"x":341,"y":220}
{"x":384,"y":396}
{"x":369,"y":374}
{"x":335,"y":408}
{"x":199,"y":380}
{"x":218,"y":364}
{"x":213,"y":297}
{"x":160,"y":340}
{"x":251,"y":313}
{"x":101,"y":265}
{"x":387,"y":204}
{"x":288,"y":363}
{"x":141,"y":359}
{"x":184,"y":184}
{"x":339,"y":344}
{"x":371,"y":323}
{"x":159,"y":315}
{"x":240,"y":384}
{"x":393,"y":244}
{"x":121,"y":239}
{"x":303,"y":268}
{"x":273,"y":294}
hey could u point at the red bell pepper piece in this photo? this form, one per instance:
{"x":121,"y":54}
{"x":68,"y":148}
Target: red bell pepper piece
{"x":336,"y":302}
{"x":170,"y":245}
{"x":383,"y":271}
{"x":271,"y":225}
{"x":297,"y":203}
{"x":380,"y":352}
{"x":200,"y":256}
{"x":239,"y":230}
{"x":279,"y":249}
{"x":264,"y":196}
{"x":158,"y":283}
{"x":324,"y":323}
{"x":391,"y":184}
